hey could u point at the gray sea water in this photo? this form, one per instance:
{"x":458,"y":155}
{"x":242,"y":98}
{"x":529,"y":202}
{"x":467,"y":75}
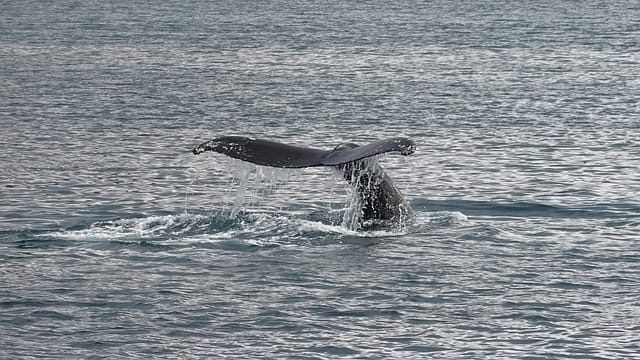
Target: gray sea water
{"x":117,"y":242}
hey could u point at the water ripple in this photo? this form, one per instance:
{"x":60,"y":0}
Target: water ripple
{"x":116,"y":241}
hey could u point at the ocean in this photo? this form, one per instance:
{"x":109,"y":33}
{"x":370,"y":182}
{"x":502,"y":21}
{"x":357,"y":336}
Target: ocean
{"x":117,"y":242}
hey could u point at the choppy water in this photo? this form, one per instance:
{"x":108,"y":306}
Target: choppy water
{"x":115,"y":241}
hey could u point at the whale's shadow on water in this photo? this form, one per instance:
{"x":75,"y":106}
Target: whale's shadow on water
{"x":498,"y":209}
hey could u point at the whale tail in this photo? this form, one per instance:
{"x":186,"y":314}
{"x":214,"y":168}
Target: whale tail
{"x":272,"y":153}
{"x":379,"y":197}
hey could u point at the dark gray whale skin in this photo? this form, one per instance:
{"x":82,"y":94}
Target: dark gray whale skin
{"x":379,"y":198}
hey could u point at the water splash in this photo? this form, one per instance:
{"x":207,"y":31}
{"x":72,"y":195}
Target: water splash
{"x":374,"y":196}
{"x":249,"y":188}
{"x":151,"y":227}
{"x":256,"y":229}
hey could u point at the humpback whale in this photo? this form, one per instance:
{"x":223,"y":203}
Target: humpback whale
{"x":378,"y":197}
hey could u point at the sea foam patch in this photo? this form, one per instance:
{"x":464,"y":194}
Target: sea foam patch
{"x":136,"y":228}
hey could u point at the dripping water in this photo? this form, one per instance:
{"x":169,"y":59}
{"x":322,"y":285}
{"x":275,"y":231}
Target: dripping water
{"x":248,"y":188}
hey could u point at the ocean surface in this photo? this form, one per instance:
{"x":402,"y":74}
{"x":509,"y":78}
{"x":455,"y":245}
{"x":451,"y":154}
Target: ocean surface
{"x":117,"y":242}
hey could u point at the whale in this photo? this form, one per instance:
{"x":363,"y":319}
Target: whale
{"x":378,"y":197}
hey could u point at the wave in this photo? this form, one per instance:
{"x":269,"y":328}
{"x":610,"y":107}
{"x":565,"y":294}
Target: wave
{"x":249,"y":229}
{"x":267,"y":229}
{"x":318,"y":219}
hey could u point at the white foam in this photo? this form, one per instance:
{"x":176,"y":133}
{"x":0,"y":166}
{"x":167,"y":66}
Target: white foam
{"x":186,"y":228}
{"x":306,"y":225}
{"x":147,"y":227}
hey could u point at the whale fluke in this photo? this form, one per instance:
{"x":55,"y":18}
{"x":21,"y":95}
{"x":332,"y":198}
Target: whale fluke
{"x":271,"y":153}
{"x":379,"y":198}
